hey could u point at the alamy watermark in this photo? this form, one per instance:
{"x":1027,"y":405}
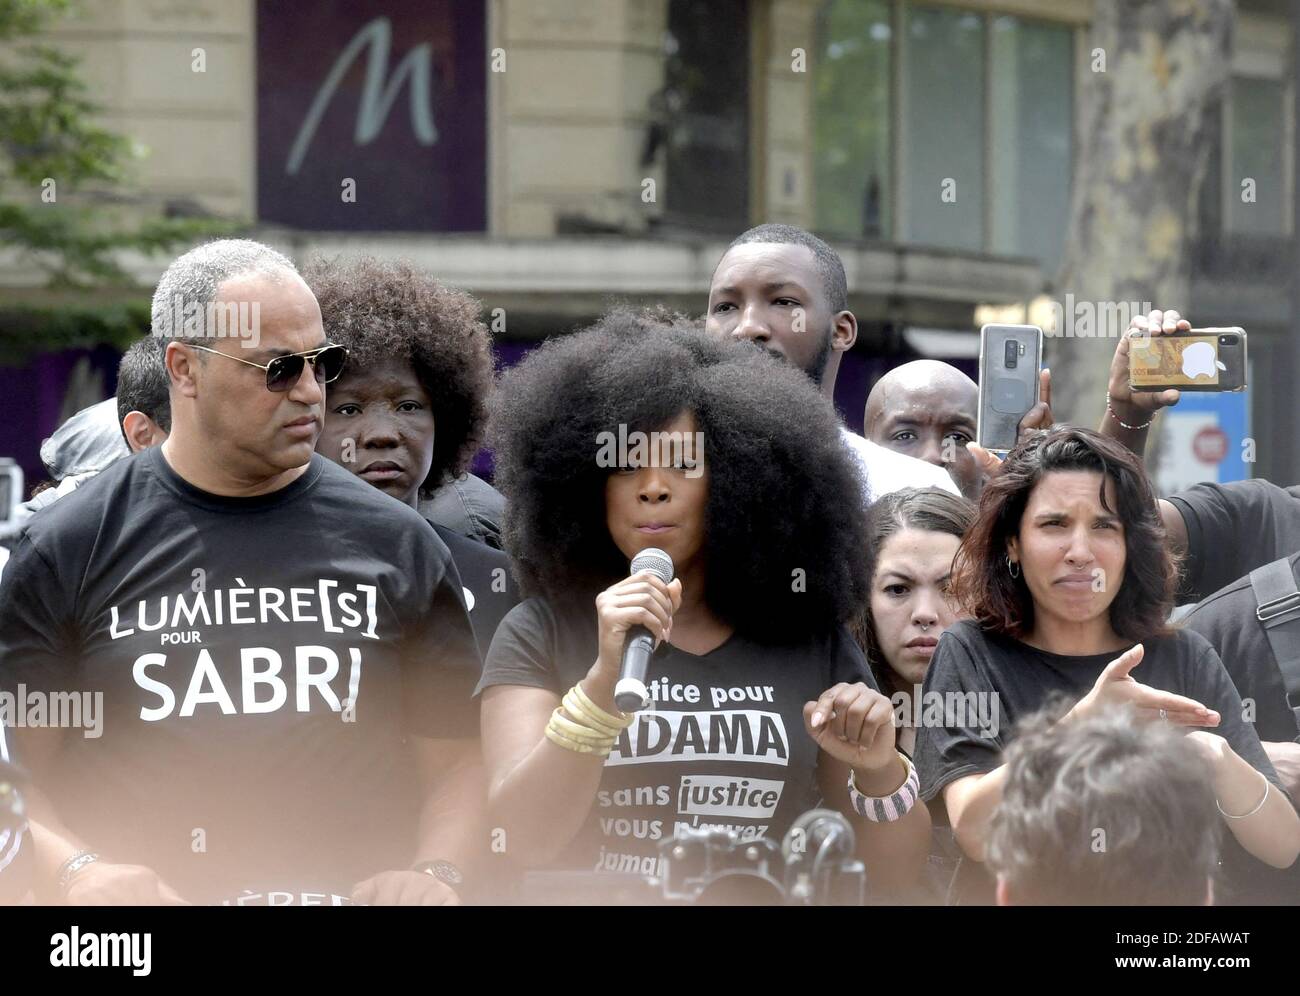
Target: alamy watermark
{"x":75,"y":949}
{"x":1074,"y":319}
{"x":948,"y":710}
{"x":24,"y":709}
{"x":633,"y":450}
{"x":187,"y":318}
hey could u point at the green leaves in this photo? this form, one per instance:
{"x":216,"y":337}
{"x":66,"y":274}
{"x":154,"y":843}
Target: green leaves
{"x":66,"y":197}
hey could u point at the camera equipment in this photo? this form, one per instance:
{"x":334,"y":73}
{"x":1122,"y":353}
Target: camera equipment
{"x":814,"y":866}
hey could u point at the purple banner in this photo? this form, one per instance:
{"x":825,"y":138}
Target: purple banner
{"x":372,"y":117}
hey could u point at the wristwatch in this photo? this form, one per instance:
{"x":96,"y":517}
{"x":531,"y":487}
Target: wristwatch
{"x":443,"y":871}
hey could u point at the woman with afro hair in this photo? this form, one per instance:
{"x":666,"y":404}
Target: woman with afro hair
{"x":387,"y":311}
{"x":407,"y":414}
{"x":644,"y":432}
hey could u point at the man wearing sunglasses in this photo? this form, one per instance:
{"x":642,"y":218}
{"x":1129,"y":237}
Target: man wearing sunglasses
{"x":284,"y":664}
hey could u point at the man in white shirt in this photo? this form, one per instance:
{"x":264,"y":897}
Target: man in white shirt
{"x":785,"y":290}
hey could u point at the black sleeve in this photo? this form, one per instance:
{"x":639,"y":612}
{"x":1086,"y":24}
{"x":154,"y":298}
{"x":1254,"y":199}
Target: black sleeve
{"x":1214,"y":688}
{"x":469,"y":506}
{"x":486,"y":506}
{"x":36,"y":623}
{"x":946,"y":753}
{"x":1232,"y":529}
{"x":440,"y":659}
{"x":847,"y":663}
{"x":523,"y":650}
{"x":1227,"y":620}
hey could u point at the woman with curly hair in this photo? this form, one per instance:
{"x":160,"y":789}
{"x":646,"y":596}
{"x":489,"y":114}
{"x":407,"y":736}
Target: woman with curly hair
{"x":763,"y":705}
{"x":385,"y":311}
{"x":1069,"y":582}
{"x":409,"y":409}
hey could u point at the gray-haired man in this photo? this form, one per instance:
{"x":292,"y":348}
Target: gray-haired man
{"x":284,"y":664}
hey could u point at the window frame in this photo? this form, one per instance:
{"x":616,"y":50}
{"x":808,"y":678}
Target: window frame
{"x":1261,"y":51}
{"x":1040,"y":11}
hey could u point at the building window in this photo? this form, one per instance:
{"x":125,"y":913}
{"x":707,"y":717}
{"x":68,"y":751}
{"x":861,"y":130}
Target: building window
{"x":705,"y":106}
{"x":1255,"y":152}
{"x":1033,"y":95}
{"x":852,"y":125}
{"x":943,"y":127}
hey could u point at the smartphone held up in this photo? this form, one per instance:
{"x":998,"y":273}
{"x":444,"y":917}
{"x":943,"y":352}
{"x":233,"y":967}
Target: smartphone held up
{"x":1011,"y":358}
{"x":1195,"y":360}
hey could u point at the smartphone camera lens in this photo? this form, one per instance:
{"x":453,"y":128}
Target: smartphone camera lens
{"x":1011,"y":354}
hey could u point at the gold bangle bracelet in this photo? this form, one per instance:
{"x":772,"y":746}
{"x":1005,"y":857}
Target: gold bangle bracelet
{"x":620,"y":721}
{"x":579,"y":715}
{"x":560,"y":740}
{"x":593,"y":712}
{"x":576,"y":731}
{"x":595,"y":746}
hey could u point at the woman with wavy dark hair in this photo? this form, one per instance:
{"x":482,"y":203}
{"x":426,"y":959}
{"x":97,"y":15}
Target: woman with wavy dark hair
{"x":1069,"y":581}
{"x":642,"y":433}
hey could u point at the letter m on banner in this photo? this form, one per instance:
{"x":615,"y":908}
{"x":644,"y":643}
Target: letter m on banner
{"x":391,"y":95}
{"x":377,"y":96}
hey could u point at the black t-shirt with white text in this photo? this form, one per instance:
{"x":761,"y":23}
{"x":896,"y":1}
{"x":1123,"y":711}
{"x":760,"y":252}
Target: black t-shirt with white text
{"x":262,"y":662}
{"x":723,"y":746}
{"x":1011,"y":680}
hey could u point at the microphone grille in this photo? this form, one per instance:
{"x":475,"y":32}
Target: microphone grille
{"x":655,"y":560}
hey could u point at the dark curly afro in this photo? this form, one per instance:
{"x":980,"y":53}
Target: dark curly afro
{"x":785,"y":545}
{"x":382,"y":311}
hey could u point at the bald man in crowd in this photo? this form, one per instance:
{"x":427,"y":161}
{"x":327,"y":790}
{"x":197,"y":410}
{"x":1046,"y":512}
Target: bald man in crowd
{"x":929,"y":409}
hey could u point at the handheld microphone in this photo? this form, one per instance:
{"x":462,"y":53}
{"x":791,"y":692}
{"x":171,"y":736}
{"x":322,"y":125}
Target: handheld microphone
{"x":631,"y":694}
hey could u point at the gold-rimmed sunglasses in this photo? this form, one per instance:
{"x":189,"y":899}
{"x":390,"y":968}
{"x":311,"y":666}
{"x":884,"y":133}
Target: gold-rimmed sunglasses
{"x":282,"y":372}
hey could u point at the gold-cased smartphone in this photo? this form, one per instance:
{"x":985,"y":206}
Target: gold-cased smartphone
{"x":1196,"y":360}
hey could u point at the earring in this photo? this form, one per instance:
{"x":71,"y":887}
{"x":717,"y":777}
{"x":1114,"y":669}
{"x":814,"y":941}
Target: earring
{"x":1013,"y":567}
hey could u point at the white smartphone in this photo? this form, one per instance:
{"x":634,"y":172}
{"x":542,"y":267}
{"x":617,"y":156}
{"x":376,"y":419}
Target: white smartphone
{"x":1011,"y":357}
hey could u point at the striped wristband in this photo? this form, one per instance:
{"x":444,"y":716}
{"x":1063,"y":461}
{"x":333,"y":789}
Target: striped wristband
{"x":887,"y":809}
